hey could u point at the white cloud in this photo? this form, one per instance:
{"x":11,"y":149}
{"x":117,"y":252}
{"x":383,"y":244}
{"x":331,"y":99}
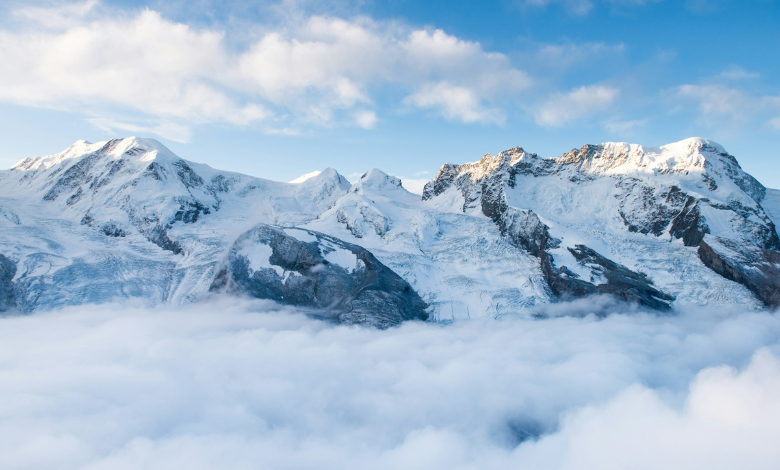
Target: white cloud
{"x":455,"y":103}
{"x":623,"y":127}
{"x":319,"y":69}
{"x":166,"y":129}
{"x":57,"y":15}
{"x":717,"y":99}
{"x":239,"y":384}
{"x":736,"y":73}
{"x":366,"y":119}
{"x":567,"y":55}
{"x":729,"y":420}
{"x":577,"y":104}
{"x":145,"y":63}
{"x":576,"y":7}
{"x":724,"y":106}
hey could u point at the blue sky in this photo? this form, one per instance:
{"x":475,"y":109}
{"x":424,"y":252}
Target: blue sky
{"x":276,"y":89}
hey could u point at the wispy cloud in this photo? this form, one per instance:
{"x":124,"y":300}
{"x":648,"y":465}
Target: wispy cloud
{"x":579,"y":103}
{"x":726,"y":106}
{"x":617,"y":126}
{"x":366,"y":119}
{"x":455,"y":103}
{"x":583,"y":7}
{"x":572,"y":54}
{"x":168,"y":130}
{"x":735,"y":72}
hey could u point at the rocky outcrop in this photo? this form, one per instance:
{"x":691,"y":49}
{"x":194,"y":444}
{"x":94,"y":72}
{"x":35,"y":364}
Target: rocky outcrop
{"x":621,"y":281}
{"x":7,"y":273}
{"x":688,"y":224}
{"x":649,"y":210}
{"x":756,"y":268}
{"x":309,"y":269}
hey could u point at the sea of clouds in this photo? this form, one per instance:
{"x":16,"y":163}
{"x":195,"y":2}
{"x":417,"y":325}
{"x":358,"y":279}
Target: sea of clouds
{"x":248,"y":384}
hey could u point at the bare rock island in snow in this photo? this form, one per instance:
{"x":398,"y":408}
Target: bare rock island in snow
{"x":679,"y":224}
{"x":310,"y":269}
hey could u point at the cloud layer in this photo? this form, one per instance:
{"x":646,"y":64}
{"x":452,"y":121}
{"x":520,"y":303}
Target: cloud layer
{"x":237,"y":384}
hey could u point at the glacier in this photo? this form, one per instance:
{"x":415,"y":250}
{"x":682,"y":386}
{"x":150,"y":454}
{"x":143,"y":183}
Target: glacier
{"x":663,"y":227}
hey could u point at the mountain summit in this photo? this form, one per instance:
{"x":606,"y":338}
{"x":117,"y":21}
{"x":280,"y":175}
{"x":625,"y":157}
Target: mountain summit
{"x":678,"y":224}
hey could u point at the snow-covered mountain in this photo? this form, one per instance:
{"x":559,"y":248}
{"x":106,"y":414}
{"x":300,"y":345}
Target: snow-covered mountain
{"x":129,"y":219}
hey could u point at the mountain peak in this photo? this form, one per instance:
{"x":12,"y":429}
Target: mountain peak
{"x":376,"y":180}
{"x":694,"y":144}
{"x":700,"y":164}
{"x":305,"y":176}
{"x":135,"y":148}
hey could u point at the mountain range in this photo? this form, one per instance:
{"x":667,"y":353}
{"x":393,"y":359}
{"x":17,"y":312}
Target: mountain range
{"x":660,"y":227}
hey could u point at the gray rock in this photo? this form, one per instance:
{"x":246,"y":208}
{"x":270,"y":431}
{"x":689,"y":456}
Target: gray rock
{"x":756,"y":268}
{"x":621,"y":281}
{"x":309,"y":269}
{"x":7,"y":273}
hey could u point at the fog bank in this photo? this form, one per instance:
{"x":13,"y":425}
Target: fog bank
{"x":242,"y":384}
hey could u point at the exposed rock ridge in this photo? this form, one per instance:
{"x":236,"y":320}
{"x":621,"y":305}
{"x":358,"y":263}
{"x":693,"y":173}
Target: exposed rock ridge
{"x":310,"y":269}
{"x":756,"y":268}
{"x":7,"y":273}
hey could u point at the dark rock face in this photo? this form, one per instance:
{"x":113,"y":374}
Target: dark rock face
{"x":72,"y":178}
{"x":745,"y":181}
{"x":689,"y":225}
{"x":186,"y":175}
{"x":563,"y":282}
{"x":189,"y":211}
{"x":300,"y":273}
{"x":7,"y":273}
{"x":621,"y":281}
{"x":646,"y":210}
{"x":113,"y":230}
{"x":525,"y":229}
{"x":756,"y":268}
{"x":158,"y":235}
{"x":446,"y":177}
